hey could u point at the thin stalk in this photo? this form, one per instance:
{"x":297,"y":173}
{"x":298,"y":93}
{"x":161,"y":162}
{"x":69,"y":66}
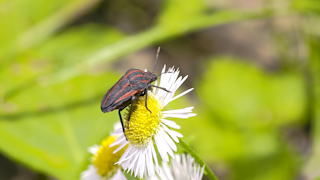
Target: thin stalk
{"x":311,"y":169}
{"x":207,"y":170}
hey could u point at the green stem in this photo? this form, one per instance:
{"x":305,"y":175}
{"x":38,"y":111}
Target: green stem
{"x":208,"y":171}
{"x":311,"y":169}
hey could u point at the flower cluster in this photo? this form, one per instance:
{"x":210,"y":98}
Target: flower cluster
{"x":103,"y":161}
{"x":147,"y":135}
{"x":182,"y":167}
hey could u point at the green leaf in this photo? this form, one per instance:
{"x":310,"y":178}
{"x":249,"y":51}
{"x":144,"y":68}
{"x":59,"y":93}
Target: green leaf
{"x":245,"y":96}
{"x":158,"y":33}
{"x":52,"y":127}
{"x":66,"y":49}
{"x":31,"y":22}
{"x":241,"y":109}
{"x":49,"y":128}
{"x":170,"y":15}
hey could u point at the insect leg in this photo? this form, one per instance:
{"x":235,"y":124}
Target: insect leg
{"x":132,"y":100}
{"x":122,"y":123}
{"x":160,"y":88}
{"x":130,"y":113}
{"x":146,"y":91}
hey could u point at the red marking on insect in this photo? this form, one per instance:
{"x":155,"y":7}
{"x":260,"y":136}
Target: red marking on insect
{"x":130,"y":86}
{"x":116,"y":85}
{"x":125,"y":96}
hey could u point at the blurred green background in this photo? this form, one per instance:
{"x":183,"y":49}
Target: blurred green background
{"x":255,"y":67}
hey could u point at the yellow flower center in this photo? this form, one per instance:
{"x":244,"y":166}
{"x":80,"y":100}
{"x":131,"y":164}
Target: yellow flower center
{"x":143,"y":125}
{"x":104,"y":160}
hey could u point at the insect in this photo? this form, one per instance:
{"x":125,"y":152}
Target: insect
{"x":130,"y":86}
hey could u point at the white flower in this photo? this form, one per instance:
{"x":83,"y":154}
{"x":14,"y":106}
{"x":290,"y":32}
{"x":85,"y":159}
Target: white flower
{"x":183,"y":167}
{"x":102,"y":165}
{"x":147,"y":130}
{"x":92,"y":174}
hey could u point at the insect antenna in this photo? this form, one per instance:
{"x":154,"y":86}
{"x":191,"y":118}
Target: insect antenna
{"x":164,"y":73}
{"x":157,"y":56}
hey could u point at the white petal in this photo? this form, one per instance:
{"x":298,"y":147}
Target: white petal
{"x":154,"y":155}
{"x":182,"y":116}
{"x":94,"y":149}
{"x":165,"y":146}
{"x":167,"y":171}
{"x":174,"y":134}
{"x":170,"y":123}
{"x":181,"y":94}
{"x":120,"y":147}
{"x":149,"y":162}
{"x":117,"y":126}
{"x":169,"y":141}
{"x":90,"y":174}
{"x":142,"y":164}
{"x":161,"y":148}
{"x":117,"y":132}
{"x":118,"y":175}
{"x":130,"y":150}
{"x":179,"y":111}
{"x":118,"y":141}
{"x":201,"y":173}
{"x":134,"y":160}
{"x":162,"y":173}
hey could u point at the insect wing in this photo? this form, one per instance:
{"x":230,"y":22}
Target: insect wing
{"x":114,"y":93}
{"x":133,"y":83}
{"x":140,"y":80}
{"x":126,"y":99}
